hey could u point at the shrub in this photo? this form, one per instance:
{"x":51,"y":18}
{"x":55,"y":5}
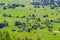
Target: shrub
{"x":17,"y":23}
{"x":45,"y":16}
{"x":36,"y":6}
{"x":29,"y":30}
{"x":54,"y":34}
{"x":23,"y":17}
{"x":5,"y":15}
{"x":4,"y":7}
{"x":50,"y":28}
{"x":1,"y":25}
{"x":9,"y":15}
{"x":20,"y":30}
{"x":22,"y":5}
{"x":13,"y":30}
{"x":17,"y":16}
{"x":24,"y":24}
{"x":8,"y":6}
{"x":16,"y":5}
{"x":5,"y":23}
{"x":39,"y":19}
{"x":1,"y":4}
{"x":52,"y":7}
{"x":51,"y":20}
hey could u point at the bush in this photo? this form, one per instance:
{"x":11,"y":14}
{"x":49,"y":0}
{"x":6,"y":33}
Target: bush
{"x":5,"y":15}
{"x":36,"y":6}
{"x":5,"y":23}
{"x":19,"y":26}
{"x":33,"y":16}
{"x":51,"y":20}
{"x":9,"y":15}
{"x":45,"y":16}
{"x":4,"y":7}
{"x":15,"y":5}
{"x":50,"y":28}
{"x":47,"y":22}
{"x":17,"y":23}
{"x":24,"y":24}
{"x":54,"y":34}
{"x":12,"y":6}
{"x":33,"y":27}
{"x":52,"y":7}
{"x":1,"y":25}
{"x":20,"y":30}
{"x":23,"y":17}
{"x":29,"y":30}
{"x":13,"y":30}
{"x":39,"y":19}
{"x":22,"y":5}
{"x":1,"y":4}
{"x":17,"y":16}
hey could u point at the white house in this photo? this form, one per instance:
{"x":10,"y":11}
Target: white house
{"x":36,"y":1}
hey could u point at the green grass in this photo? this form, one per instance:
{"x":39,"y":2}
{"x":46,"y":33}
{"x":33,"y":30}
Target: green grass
{"x":43,"y":34}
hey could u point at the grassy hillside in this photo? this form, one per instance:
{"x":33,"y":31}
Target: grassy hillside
{"x":36,"y":19}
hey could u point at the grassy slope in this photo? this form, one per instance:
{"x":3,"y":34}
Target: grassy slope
{"x":43,"y":34}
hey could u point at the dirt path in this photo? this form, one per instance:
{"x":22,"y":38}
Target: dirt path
{"x":57,"y":31}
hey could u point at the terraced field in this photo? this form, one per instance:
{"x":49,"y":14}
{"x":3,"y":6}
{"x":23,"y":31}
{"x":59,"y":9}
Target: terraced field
{"x":27,"y":22}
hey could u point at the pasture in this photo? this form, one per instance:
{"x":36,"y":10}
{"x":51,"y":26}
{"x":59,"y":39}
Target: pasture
{"x":29,"y":23}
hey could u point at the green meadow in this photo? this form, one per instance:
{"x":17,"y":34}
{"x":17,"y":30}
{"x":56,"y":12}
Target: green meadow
{"x":35,"y":34}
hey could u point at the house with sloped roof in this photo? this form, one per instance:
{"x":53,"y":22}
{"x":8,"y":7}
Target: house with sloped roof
{"x":36,"y":2}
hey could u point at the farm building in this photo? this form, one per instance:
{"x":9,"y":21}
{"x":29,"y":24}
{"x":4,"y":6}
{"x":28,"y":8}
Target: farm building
{"x":36,"y":2}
